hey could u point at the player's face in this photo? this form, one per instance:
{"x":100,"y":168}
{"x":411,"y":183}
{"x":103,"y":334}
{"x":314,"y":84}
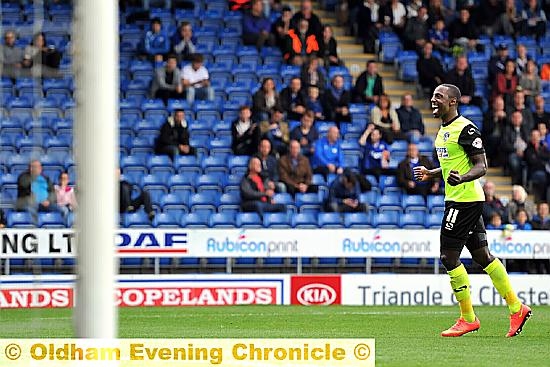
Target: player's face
{"x":440,"y":102}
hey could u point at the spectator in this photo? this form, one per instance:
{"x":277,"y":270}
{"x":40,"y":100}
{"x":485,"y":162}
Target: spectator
{"x":328,"y":156}
{"x":508,"y":23}
{"x":328,"y":48}
{"x":463,"y":32}
{"x":344,"y":194}
{"x":394,"y":16}
{"x":368,"y":86}
{"x":521,"y":58}
{"x":293,"y":100}
{"x":156,"y":41}
{"x":337,"y":100}
{"x":196,"y":80}
{"x":184,"y":44}
{"x":311,"y":74}
{"x":281,"y":27}
{"x":368,"y":23}
{"x":256,"y":27}
{"x":245,"y":133}
{"x":384,"y":117}
{"x":461,"y":76}
{"x":269,"y":166}
{"x":519,"y":105}
{"x":295,"y":171}
{"x":65,"y":195}
{"x":495,"y":222}
{"x":544,"y":135}
{"x":514,"y":143}
{"x":306,"y":134}
{"x":439,"y":37}
{"x":541,"y":220}
{"x":430,"y":70}
{"x":497,"y":63}
{"x":265,"y":101}
{"x":300,"y":43}
{"x":256,"y":193}
{"x":540,"y":114}
{"x":488,"y":13}
{"x":437,"y":11}
{"x":492,"y":203}
{"x":132,"y":198}
{"x":519,"y":201}
{"x":522,"y":221}
{"x":405,"y":177}
{"x":376,"y":154}
{"x":495,"y":121}
{"x":12,"y":56}
{"x":313,"y":103}
{"x":167,"y":81}
{"x":545,"y":72}
{"x":3,"y":221}
{"x":277,"y":131}
{"x":41,"y":58}
{"x":530,"y":83}
{"x":534,"y":20}
{"x":506,"y":82}
{"x":413,"y":8}
{"x":35,"y":192}
{"x":537,"y":157}
{"x":173,"y":139}
{"x":410,"y":119}
{"x":306,"y":13}
{"x":416,"y":30}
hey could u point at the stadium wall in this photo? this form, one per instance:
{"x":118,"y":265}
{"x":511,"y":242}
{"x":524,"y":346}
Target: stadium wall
{"x":279,"y":289}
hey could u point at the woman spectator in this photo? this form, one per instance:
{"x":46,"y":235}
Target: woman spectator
{"x":41,"y":57}
{"x":530,"y":83}
{"x":66,"y":198}
{"x":265,"y":100}
{"x":385,"y":118}
{"x":506,"y":82}
{"x":312,"y":74}
{"x":328,"y":48}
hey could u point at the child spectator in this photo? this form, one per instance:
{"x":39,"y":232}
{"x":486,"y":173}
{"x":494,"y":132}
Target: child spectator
{"x":65,"y":195}
{"x":313,"y":103}
{"x":522,"y":220}
{"x":156,"y":42}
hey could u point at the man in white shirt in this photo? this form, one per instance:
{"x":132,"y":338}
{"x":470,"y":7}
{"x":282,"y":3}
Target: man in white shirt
{"x":195,"y":80}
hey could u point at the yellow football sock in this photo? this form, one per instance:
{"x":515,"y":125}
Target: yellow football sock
{"x":461,"y":288}
{"x":501,"y":281}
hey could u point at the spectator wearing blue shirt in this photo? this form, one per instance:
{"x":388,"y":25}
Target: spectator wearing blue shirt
{"x":313,"y":102}
{"x":328,"y":156}
{"x":541,"y":220}
{"x":156,"y":41}
{"x":344,"y":194}
{"x":256,"y":27}
{"x":35,"y":192}
{"x":522,"y":220}
{"x":495,"y":222}
{"x":376,"y":156}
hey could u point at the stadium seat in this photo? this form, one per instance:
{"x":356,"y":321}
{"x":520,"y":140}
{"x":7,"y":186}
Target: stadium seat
{"x":358,"y":220}
{"x":435,"y":201}
{"x":387,"y":220}
{"x":136,"y":220}
{"x":50,"y":220}
{"x":19,"y":220}
{"x":165,"y":220}
{"x":434,"y":220}
{"x":222,"y":220}
{"x":330,"y":220}
{"x":413,"y":202}
{"x":203,"y":200}
{"x":230,"y":201}
{"x":304,"y":220}
{"x":308,"y":202}
{"x":412,"y":221}
{"x":276,"y":220}
{"x":248,"y":220}
{"x":195,"y":220}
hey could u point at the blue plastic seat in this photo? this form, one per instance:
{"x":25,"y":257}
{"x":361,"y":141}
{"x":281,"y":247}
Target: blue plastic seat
{"x":330,"y":220}
{"x":230,"y":201}
{"x":222,"y":220}
{"x":308,"y":201}
{"x":304,"y":220}
{"x":19,"y":220}
{"x":358,"y":220}
{"x":215,"y":164}
{"x":434,"y":220}
{"x":136,"y":220}
{"x":276,"y":220}
{"x":51,"y":220}
{"x":203,"y":200}
{"x":435,"y":201}
{"x":413,"y":202}
{"x":413,"y":220}
{"x":387,"y":220}
{"x":194,"y":220}
{"x":210,"y":181}
{"x":248,"y":220}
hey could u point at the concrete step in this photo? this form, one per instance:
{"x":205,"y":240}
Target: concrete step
{"x":346,"y":40}
{"x":345,"y":49}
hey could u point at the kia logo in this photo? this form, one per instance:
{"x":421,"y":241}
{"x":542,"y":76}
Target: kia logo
{"x":316,"y":294}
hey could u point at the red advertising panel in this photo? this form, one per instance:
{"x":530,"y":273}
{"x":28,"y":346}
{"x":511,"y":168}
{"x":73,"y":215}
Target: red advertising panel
{"x":309,"y":290}
{"x":36,"y":298}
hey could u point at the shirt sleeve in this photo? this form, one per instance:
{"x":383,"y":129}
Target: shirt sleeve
{"x":470,"y":140}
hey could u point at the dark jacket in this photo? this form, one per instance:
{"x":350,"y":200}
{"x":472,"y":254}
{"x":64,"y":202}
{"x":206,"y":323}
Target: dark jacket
{"x":405,"y":172}
{"x":428,"y":70}
{"x":286,"y":100}
{"x":464,"y":82}
{"x":125,"y":192}
{"x":259,"y":105}
{"x":410,"y":119}
{"x":536,"y":160}
{"x":327,"y":49}
{"x":292,"y":176}
{"x":330,"y":103}
{"x":172,"y":135}
{"x":250,"y":192}
{"x":314,"y":24}
{"x":311,"y":137}
{"x":269,"y":167}
{"x":338,"y":192}
{"x":246,"y":144}
{"x":24,"y":187}
{"x":509,"y":138}
{"x":361,"y":85}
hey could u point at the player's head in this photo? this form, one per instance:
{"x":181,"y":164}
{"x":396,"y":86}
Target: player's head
{"x":445,"y":101}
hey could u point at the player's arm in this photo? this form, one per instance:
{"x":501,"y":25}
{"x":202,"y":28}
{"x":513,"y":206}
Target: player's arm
{"x":470,"y":140}
{"x":421,"y":173}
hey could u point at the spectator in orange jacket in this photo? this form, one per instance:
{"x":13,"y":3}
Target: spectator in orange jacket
{"x":300,"y":43}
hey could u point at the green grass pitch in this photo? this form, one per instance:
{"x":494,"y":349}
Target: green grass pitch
{"x":405,"y":336}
